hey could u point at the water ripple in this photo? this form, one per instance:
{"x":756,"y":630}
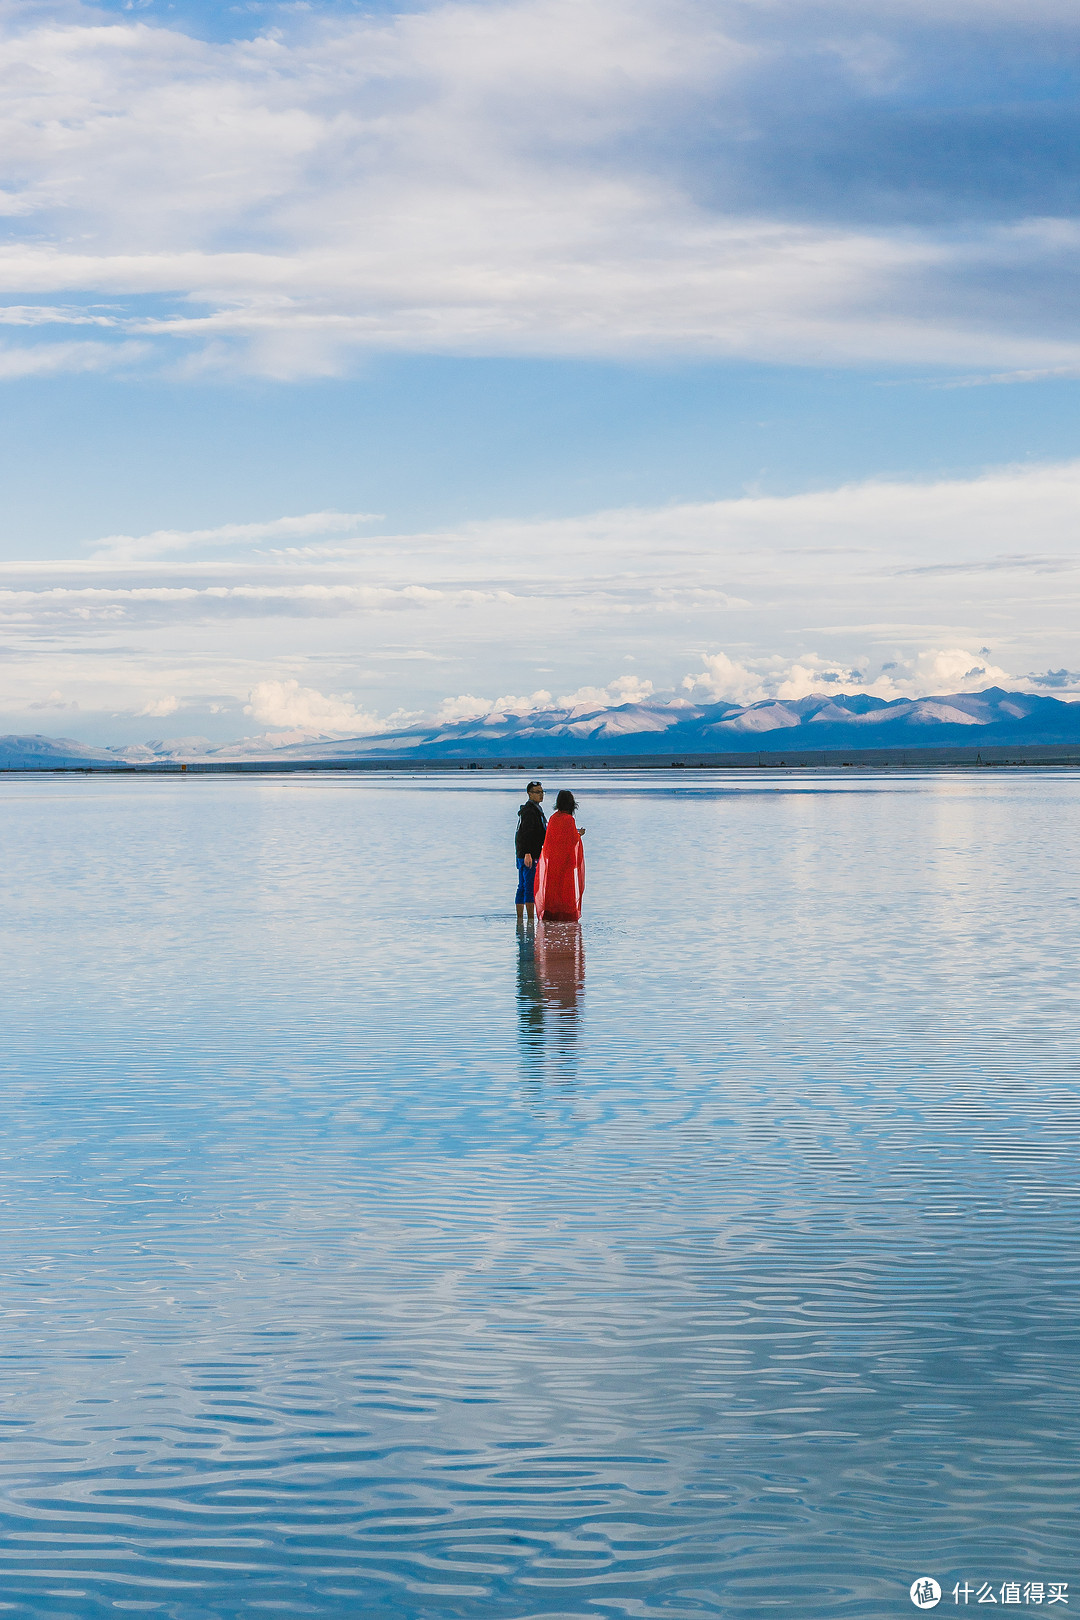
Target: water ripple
{"x":365,"y":1256}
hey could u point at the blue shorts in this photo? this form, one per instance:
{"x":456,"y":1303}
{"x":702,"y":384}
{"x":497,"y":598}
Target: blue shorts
{"x":526,"y":879}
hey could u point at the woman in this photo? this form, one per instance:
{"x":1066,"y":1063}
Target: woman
{"x":560,"y":877}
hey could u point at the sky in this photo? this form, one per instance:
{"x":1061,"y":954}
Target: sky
{"x":359,"y":365}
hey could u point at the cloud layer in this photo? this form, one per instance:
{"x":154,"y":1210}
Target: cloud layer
{"x":541,"y":177}
{"x":901,"y":590}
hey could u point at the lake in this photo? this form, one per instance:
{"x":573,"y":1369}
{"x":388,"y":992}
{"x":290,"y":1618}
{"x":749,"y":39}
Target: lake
{"x":365,"y":1256}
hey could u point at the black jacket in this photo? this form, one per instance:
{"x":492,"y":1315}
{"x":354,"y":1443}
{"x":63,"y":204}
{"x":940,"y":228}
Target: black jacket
{"x":532,"y":825}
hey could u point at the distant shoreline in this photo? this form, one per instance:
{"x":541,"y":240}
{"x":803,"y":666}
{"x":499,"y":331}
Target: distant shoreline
{"x":867,"y":759}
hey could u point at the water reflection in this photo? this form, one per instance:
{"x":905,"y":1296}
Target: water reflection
{"x":551,"y":983}
{"x":361,"y":1269}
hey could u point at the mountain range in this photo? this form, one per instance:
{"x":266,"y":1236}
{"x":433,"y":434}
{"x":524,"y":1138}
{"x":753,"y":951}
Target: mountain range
{"x":656,"y":726}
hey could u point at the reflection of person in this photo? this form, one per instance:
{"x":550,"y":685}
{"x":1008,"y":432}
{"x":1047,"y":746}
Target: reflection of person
{"x":560,"y":968}
{"x":530,"y":994}
{"x":550,"y":983}
{"x":560,"y":881}
{"x":532,"y":825}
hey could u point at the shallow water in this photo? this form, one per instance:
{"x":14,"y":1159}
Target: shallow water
{"x":361,"y":1257}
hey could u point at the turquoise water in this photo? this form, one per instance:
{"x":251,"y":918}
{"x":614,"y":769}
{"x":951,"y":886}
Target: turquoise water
{"x":363,"y":1257}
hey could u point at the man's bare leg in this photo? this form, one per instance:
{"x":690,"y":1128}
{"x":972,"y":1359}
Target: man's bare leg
{"x":531,"y":909}
{"x":521,"y":913}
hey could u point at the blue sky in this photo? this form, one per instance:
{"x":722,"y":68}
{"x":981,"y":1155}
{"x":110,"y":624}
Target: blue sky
{"x":365,"y":362}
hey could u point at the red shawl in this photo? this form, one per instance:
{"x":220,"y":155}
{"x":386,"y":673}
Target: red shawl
{"x":560,"y":875}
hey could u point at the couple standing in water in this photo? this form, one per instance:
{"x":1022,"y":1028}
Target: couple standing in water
{"x":550,"y":859}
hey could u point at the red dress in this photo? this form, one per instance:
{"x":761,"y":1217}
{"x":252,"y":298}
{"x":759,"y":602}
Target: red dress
{"x":560,"y":875}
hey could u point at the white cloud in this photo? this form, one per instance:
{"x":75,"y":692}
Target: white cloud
{"x":48,"y":315}
{"x":724,"y":677}
{"x":51,"y":359}
{"x":169,"y":542}
{"x":624,"y":689}
{"x":931,"y":673}
{"x":92,"y":605}
{"x":898,"y":589}
{"x":466,"y":707}
{"x":54,"y":700}
{"x":159,"y":708}
{"x":949,"y":670}
{"x":486,"y":178}
{"x":810,"y":675}
{"x":306,"y":711}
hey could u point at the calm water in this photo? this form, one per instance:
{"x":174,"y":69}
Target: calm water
{"x":362,"y":1258}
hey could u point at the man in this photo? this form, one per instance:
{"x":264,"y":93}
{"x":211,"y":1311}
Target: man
{"x":532,"y":825}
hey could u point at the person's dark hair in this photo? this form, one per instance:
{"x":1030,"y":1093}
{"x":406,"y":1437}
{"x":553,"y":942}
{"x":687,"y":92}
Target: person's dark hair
{"x":530,"y":785}
{"x":566,"y":801}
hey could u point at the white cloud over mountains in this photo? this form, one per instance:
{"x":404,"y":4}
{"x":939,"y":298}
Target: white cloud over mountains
{"x":951,"y":669}
{"x":623,"y":689}
{"x":533,"y":177}
{"x":901,"y":590}
{"x":292,"y":706}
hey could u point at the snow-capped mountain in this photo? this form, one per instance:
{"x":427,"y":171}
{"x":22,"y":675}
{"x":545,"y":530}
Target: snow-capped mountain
{"x":657,"y":726}
{"x":37,"y":753}
{"x":677,"y":725}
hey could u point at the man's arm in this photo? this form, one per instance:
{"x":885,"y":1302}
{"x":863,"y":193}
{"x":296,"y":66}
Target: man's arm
{"x":536,"y":831}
